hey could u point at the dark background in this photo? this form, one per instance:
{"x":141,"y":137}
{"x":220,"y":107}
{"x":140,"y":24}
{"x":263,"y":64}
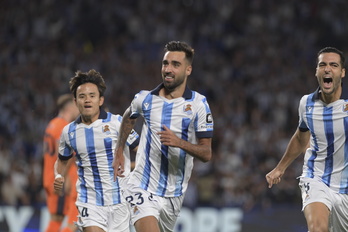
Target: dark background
{"x":254,"y":60}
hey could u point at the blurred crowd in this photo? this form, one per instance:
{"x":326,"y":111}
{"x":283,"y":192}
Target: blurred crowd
{"x":254,"y":60}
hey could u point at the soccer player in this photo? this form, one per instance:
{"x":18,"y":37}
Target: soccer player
{"x":178,"y":127}
{"x":92,"y":137}
{"x":63,"y":205}
{"x":323,"y":121}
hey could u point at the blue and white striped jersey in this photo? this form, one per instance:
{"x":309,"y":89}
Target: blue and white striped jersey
{"x":94,"y":146}
{"x":327,"y":157}
{"x":162,"y":170}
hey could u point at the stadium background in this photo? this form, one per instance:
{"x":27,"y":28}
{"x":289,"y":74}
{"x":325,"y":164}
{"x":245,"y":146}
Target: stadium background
{"x":254,"y":60}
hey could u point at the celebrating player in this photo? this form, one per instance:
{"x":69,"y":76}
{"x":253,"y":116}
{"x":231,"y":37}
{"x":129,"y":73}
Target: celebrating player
{"x":323,"y":123}
{"x":178,"y":127}
{"x":93,"y":138}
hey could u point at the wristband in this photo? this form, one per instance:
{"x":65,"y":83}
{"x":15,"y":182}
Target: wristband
{"x":58,"y":176}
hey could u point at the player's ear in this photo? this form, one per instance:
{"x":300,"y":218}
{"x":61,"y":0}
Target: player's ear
{"x":101,"y":100}
{"x":343,"y":73}
{"x":188,"y":70}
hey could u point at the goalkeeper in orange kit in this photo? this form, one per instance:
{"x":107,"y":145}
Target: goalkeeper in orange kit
{"x":60,"y":206}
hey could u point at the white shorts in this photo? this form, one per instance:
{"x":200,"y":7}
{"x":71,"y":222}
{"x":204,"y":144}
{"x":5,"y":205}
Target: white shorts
{"x":316,"y":191}
{"x":108,"y":218}
{"x":143,"y":204}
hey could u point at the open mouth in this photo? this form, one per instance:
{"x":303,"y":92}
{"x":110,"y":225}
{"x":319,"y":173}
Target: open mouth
{"x":327,"y":82}
{"x":327,"y":79}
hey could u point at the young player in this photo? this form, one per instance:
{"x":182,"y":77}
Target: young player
{"x":92,"y":137}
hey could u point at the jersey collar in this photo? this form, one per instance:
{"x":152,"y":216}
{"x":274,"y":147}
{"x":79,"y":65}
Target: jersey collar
{"x":102,"y":115}
{"x":187,"y":93}
{"x":316,"y":94}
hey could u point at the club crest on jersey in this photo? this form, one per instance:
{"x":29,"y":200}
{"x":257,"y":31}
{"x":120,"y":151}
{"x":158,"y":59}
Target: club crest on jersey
{"x":136,"y":210}
{"x":188,"y":109}
{"x":345,"y":107}
{"x":106,"y":129}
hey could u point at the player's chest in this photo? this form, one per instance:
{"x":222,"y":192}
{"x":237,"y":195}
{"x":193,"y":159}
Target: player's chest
{"x":162,"y":110}
{"x":327,"y":120}
{"x":94,"y":137}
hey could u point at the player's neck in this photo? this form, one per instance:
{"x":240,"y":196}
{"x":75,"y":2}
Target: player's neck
{"x":89,"y":119}
{"x":172,"y":94}
{"x":329,"y":98}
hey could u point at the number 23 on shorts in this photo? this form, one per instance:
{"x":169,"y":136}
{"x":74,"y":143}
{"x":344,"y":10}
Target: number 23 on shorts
{"x":138,"y":199}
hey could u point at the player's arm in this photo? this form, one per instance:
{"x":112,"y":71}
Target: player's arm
{"x":133,"y":162}
{"x":126,"y":127}
{"x":201,"y":150}
{"x":298,"y":143}
{"x":60,"y":168}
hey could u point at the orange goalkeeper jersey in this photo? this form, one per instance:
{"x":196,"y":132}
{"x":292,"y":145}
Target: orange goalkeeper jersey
{"x":51,"y":140}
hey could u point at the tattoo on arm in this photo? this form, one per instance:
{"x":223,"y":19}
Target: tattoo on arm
{"x":126,"y":127}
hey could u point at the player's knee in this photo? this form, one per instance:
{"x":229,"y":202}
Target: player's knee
{"x":318,"y":226}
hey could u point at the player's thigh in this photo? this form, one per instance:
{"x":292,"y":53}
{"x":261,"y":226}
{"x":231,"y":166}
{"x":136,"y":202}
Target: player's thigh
{"x":317,"y":200}
{"x":169,"y":213}
{"x":317,"y":216}
{"x":93,"y":229}
{"x":147,"y":224}
{"x":339,"y":213}
{"x":91,"y":216}
{"x":119,"y":217}
{"x":142,"y":203}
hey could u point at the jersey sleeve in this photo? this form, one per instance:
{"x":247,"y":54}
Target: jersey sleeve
{"x":134,"y":107}
{"x":204,"y":122}
{"x":65,"y":150}
{"x":133,"y":138}
{"x":140,"y":100}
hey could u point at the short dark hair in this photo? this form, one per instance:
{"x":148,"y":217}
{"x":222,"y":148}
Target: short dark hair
{"x":333,"y":50}
{"x":178,"y":46}
{"x":91,"y":76}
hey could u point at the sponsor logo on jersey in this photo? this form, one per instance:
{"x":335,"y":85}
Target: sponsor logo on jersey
{"x":209,"y":118}
{"x":146,"y":105}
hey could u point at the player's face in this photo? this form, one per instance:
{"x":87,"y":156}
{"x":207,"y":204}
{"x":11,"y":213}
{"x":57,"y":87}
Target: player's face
{"x":329,"y":73}
{"x":175,"y":70}
{"x":88,"y":101}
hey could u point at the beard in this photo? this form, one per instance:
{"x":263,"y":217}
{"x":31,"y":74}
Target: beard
{"x":172,"y":85}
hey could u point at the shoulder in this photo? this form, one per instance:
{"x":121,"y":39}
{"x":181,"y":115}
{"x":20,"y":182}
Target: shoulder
{"x":115,"y":117}
{"x":198,"y":95}
{"x":142,"y":94}
{"x":304,"y":98}
{"x":70,"y":127}
{"x":198,"y":98}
